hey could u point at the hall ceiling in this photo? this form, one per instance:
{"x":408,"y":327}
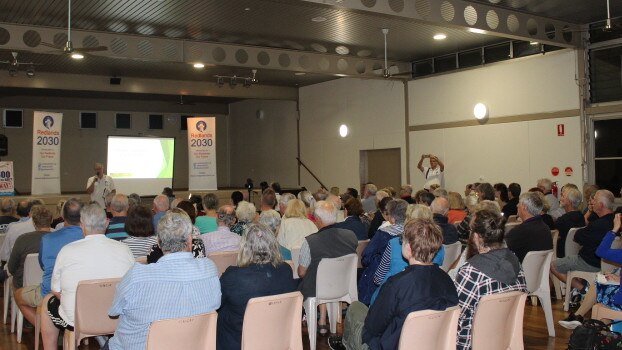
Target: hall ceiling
{"x":327,"y":32}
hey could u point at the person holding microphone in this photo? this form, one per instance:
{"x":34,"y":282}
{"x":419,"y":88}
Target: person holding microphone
{"x":100,"y":185}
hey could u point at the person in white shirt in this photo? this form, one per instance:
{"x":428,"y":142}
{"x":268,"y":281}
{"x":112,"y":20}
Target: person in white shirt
{"x":433,"y":174}
{"x":295,"y":225}
{"x":222,"y":240}
{"x":94,"y":257}
{"x":100,"y":185}
{"x":18,"y":228}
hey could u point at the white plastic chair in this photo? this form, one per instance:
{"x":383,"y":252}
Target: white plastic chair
{"x":510,"y":226}
{"x":498,"y":322}
{"x":295,"y":255}
{"x":452,"y":253}
{"x":556,"y":283}
{"x":33,"y":275}
{"x":430,"y":329}
{"x":571,"y":247}
{"x":537,"y":267}
{"x":336,"y":282}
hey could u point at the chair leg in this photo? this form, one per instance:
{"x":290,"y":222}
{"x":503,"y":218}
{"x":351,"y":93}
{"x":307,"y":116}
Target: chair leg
{"x":37,"y":327}
{"x":567,"y":295}
{"x":311,"y":311}
{"x":333,"y":309}
{"x":69,"y":340}
{"x":13,"y":315}
{"x":534,"y":300}
{"x":7,"y":297}
{"x":20,"y":325}
{"x":557,"y":286}
{"x":545,"y":300}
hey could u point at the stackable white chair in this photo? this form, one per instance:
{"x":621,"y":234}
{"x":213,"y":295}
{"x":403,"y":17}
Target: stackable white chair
{"x":359,"y":251}
{"x":336,"y":282}
{"x":452,"y":253}
{"x":33,"y":275}
{"x":295,"y":254}
{"x":572,"y":248}
{"x":537,"y":268}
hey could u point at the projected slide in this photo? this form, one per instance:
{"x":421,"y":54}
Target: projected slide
{"x":142,"y":165}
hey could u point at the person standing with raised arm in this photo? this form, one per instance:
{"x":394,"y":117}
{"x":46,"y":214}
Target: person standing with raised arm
{"x":434,"y":173}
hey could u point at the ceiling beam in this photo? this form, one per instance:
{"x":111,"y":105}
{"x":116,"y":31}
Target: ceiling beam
{"x":159,"y":49}
{"x":79,"y":82}
{"x":492,"y":20}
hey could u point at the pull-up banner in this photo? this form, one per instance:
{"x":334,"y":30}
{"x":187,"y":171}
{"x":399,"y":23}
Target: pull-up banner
{"x":7,"y":187}
{"x":46,"y":137}
{"x":202,"y":154}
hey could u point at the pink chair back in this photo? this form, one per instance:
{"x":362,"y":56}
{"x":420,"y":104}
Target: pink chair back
{"x":91,"y":318}
{"x":273,"y":322}
{"x":195,"y":332}
{"x":359,"y":251}
{"x":224,"y":260}
{"x":429,"y":329}
{"x":498,"y":321}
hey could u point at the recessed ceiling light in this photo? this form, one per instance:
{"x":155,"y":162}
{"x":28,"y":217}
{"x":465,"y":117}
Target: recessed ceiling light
{"x":440,"y":36}
{"x":198,"y":65}
{"x":247,"y":9}
{"x":534,"y":43}
{"x":300,"y":73}
{"x":77,"y":56}
{"x":477,"y":31}
{"x":318,"y":19}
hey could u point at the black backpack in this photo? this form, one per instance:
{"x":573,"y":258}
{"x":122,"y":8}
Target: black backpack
{"x":595,"y":335}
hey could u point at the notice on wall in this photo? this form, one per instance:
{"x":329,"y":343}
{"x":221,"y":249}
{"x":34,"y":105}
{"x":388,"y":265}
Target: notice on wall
{"x":202,"y":154}
{"x":46,"y":138}
{"x":7,"y":180}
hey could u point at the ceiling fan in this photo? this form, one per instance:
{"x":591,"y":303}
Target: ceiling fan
{"x":392,"y":71}
{"x":14,"y":66}
{"x":610,"y":24}
{"x":68,"y":48}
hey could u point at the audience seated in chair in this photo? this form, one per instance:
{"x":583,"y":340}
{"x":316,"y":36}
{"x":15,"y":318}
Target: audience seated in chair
{"x":570,"y":201}
{"x":421,"y":286}
{"x":328,"y":242}
{"x":28,"y":243}
{"x":492,"y":269}
{"x":176,"y":286}
{"x":93,"y":257}
{"x":372,"y":255}
{"x":590,"y":238}
{"x":532,"y":234}
{"x":222,"y":240}
{"x":295,"y":225}
{"x":260,"y":272}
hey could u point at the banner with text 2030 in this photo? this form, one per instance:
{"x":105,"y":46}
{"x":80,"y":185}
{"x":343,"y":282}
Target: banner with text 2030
{"x":46,"y":137}
{"x":202,"y":154}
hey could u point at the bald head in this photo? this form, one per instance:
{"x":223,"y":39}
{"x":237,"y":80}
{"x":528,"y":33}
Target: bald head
{"x":226,"y":215}
{"x":160,"y":203}
{"x":440,"y":205}
{"x":7,"y":207}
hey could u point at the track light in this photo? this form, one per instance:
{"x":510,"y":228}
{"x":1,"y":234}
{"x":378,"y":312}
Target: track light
{"x":30,"y":72}
{"x":234,"y":80}
{"x":12,"y":71}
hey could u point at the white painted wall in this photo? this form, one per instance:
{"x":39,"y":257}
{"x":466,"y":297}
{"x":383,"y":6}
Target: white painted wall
{"x":263,"y":149}
{"x":375,"y":114}
{"x":535,"y":84}
{"x":510,"y":152}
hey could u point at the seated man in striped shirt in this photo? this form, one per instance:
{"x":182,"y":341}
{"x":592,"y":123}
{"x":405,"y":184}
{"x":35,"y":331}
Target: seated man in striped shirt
{"x":166,"y":289}
{"x":118,"y":207}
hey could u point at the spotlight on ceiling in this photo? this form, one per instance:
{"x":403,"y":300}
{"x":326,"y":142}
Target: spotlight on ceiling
{"x":77,"y":56}
{"x":440,"y":36}
{"x":12,"y":71}
{"x":198,"y":65}
{"x":233,"y":81}
{"x":480,"y":111}
{"x":30,"y":72}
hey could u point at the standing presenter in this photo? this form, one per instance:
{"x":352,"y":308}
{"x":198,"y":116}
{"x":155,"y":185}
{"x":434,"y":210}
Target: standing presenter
{"x":100,"y":185}
{"x":433,"y":174}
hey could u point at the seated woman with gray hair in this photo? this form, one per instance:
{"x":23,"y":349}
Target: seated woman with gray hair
{"x":246,"y":213}
{"x":198,"y":248}
{"x":272,"y":219}
{"x":260,"y":272}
